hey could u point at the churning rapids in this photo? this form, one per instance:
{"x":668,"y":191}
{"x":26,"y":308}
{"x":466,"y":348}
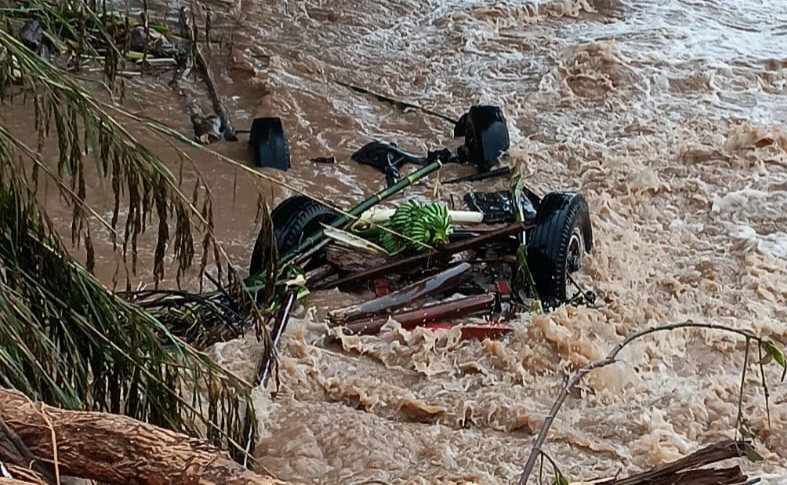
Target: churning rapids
{"x":668,"y":115}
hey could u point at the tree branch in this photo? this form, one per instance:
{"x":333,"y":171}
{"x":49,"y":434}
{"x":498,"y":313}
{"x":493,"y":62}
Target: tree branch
{"x":609,"y":359}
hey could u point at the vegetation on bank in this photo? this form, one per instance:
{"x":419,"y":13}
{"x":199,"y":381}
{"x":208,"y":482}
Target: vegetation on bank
{"x":66,"y":339}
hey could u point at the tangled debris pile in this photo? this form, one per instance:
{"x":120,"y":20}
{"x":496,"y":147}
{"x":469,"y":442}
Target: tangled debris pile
{"x":504,"y":253}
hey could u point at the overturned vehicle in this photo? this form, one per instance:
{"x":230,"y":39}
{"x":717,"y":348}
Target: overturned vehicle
{"x":430,"y":265}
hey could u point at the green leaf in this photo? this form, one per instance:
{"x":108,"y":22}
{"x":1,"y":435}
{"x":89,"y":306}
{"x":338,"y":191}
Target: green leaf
{"x":160,"y":28}
{"x":751,"y":454}
{"x":773,"y":351}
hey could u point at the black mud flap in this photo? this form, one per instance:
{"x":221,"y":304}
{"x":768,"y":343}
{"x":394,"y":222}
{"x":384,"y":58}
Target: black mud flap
{"x":486,"y":135}
{"x":461,"y":126}
{"x":268,"y":144}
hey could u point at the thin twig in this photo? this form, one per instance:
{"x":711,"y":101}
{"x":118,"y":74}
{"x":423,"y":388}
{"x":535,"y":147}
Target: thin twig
{"x":765,"y":387}
{"x":52,"y":434}
{"x":535,"y":452}
{"x":739,"y":418}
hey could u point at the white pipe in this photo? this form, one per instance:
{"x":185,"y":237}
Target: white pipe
{"x":376,"y":214}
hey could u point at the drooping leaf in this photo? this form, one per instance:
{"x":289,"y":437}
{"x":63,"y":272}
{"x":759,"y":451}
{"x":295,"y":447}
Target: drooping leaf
{"x":751,"y":453}
{"x":773,"y":351}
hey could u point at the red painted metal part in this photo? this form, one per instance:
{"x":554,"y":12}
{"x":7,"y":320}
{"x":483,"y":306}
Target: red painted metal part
{"x":503,"y":288}
{"x":477,"y":331}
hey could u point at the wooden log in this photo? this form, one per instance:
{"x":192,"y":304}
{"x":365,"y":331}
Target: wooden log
{"x":319,"y":274}
{"x":705,"y":456}
{"x":426,"y":260}
{"x":207,"y":75}
{"x":432,"y":313}
{"x":350,"y":261}
{"x":117,"y":449}
{"x":23,"y":474}
{"x":713,"y":476}
{"x":443,"y":280}
{"x":14,"y":452}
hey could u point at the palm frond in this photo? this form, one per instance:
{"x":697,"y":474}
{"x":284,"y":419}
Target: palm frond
{"x":67,"y":340}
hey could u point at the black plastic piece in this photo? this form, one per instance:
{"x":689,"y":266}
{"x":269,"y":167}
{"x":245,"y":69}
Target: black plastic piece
{"x":382,"y":155}
{"x":294,"y":219}
{"x":562,"y":216}
{"x":486,"y":135}
{"x":388,"y":158}
{"x":498,"y":206}
{"x":268,"y":143}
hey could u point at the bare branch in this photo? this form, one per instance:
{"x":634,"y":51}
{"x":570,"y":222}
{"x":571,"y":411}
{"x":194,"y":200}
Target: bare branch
{"x":535,"y":452}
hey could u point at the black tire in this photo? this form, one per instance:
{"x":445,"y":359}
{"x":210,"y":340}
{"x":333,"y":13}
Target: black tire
{"x":294,"y":219}
{"x":486,"y":135}
{"x":268,"y":143}
{"x":561,"y":236}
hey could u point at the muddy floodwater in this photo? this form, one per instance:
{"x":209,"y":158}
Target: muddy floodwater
{"x":667,"y":115}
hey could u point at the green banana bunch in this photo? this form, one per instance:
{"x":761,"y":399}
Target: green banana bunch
{"x":424,"y":225}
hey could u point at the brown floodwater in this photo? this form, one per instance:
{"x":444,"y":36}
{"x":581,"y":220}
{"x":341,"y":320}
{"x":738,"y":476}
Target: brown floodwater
{"x":668,"y":116}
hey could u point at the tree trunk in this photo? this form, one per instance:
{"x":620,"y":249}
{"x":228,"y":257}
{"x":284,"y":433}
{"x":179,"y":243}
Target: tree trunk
{"x":191,"y":33}
{"x":117,"y":449}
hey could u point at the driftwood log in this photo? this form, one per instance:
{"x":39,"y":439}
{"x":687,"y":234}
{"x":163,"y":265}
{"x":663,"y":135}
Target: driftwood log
{"x":688,"y":470}
{"x":117,"y":449}
{"x":190,"y":31}
{"x":22,"y":474}
{"x":352,"y":261}
{"x":14,"y":452}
